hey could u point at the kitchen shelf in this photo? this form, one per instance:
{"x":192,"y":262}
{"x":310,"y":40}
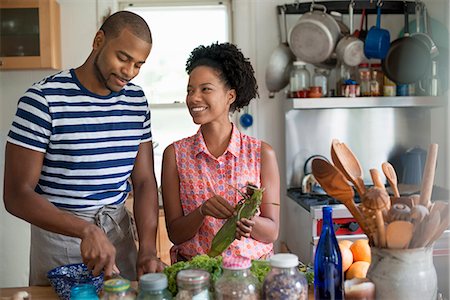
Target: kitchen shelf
{"x":364,"y":102}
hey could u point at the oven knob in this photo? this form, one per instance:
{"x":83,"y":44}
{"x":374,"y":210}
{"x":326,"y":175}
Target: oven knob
{"x":353,"y":226}
{"x":336,"y":227}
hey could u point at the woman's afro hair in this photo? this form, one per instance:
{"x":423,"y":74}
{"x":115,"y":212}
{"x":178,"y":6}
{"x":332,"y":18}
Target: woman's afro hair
{"x":234,"y":70}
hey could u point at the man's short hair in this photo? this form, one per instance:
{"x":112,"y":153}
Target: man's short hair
{"x":121,"y":20}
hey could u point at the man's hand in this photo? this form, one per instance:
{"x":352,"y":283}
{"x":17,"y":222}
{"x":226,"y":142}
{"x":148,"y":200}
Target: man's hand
{"x":97,"y":252}
{"x":149,"y":264}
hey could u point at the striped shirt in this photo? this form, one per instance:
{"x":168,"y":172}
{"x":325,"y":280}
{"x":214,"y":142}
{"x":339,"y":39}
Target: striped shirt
{"x":90,"y":141}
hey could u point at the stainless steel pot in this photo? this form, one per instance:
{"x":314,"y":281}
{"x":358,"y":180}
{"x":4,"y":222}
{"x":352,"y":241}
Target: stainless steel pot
{"x":280,"y":62}
{"x":350,"y":49}
{"x":315,"y":35}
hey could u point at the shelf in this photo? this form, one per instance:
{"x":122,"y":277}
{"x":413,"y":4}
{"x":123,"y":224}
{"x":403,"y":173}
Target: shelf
{"x":389,"y":7}
{"x":364,"y":102}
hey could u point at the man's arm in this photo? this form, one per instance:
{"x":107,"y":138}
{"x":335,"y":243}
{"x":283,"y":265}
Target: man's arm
{"x":22,"y":170}
{"x":145,"y":207}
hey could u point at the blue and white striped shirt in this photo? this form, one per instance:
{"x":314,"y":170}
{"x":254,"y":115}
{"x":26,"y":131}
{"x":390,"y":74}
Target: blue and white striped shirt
{"x":90,"y":141}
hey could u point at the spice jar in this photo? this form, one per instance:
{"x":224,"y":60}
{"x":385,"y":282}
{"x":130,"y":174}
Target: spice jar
{"x":118,"y":289}
{"x":299,"y":79}
{"x":315,"y":92}
{"x":284,"y":281}
{"x":153,"y":286}
{"x":193,"y":284}
{"x":236,"y":282}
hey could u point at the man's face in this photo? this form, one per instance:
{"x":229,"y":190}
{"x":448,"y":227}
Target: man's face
{"x":119,"y":59}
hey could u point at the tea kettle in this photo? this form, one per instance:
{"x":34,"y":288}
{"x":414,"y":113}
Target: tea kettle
{"x":309,"y":183}
{"x":413,"y":163}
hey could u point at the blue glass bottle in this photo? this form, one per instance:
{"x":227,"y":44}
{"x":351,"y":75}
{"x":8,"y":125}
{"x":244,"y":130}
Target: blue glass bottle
{"x":328,"y":275}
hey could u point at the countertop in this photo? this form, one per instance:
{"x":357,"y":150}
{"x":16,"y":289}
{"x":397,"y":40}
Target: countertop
{"x":47,"y":293}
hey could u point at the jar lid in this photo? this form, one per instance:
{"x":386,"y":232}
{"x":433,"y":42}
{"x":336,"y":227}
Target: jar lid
{"x":363,"y":65}
{"x":153,"y":281}
{"x":236,"y":262}
{"x":299,"y":63}
{"x":284,"y":260}
{"x":117,"y":285}
{"x":192,"y":277}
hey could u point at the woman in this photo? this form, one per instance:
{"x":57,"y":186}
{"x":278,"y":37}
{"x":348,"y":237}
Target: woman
{"x":200,"y":173}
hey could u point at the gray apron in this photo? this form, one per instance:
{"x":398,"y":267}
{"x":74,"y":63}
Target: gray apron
{"x":50,"y":250}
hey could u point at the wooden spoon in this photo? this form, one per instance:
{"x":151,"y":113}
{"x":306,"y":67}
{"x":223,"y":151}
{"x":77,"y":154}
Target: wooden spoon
{"x":428,"y":175}
{"x":399,"y":234}
{"x":377,"y":200}
{"x":335,"y":184}
{"x":444,"y":224}
{"x":348,"y":164}
{"x":391,"y":177}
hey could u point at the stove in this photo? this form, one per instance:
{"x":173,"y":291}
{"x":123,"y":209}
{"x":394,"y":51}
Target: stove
{"x":304,"y":213}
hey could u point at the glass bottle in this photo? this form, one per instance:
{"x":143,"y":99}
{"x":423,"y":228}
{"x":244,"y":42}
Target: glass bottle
{"x":284,"y":281}
{"x":153,"y":286}
{"x":320,"y":78}
{"x":343,"y":74}
{"x":118,"y":289}
{"x":435,"y":83}
{"x":374,"y":85}
{"x":364,"y":79}
{"x":236,"y":282}
{"x":379,"y":77}
{"x":299,"y":79}
{"x":83,"y":291}
{"x":389,"y":87}
{"x":193,"y":284}
{"x":328,"y":274}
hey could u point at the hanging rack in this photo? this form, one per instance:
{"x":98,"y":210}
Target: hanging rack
{"x":388,"y":7}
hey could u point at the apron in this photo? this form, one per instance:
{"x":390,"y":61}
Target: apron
{"x":50,"y":250}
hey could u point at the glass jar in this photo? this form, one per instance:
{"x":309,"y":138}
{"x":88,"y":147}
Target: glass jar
{"x":320,"y":78}
{"x":236,"y":282}
{"x":389,"y":87}
{"x":364,"y":79}
{"x":284,"y":281}
{"x":374,"y":85}
{"x":118,"y":289}
{"x":83,"y":291}
{"x":153,"y":286}
{"x":379,"y":76}
{"x":299,"y":79}
{"x":193,"y":284}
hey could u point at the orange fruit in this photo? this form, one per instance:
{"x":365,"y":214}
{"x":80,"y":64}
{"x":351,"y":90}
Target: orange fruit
{"x":361,"y":250}
{"x":347,"y":256}
{"x":358,"y":269}
{"x":346,"y":243}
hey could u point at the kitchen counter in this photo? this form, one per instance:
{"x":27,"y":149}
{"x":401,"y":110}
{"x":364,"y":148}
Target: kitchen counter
{"x":47,"y":293}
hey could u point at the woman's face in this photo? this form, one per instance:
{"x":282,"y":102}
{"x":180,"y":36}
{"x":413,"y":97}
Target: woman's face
{"x":208,"y":99}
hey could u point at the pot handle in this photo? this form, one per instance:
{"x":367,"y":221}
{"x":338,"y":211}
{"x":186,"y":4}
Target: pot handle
{"x":318,"y":6}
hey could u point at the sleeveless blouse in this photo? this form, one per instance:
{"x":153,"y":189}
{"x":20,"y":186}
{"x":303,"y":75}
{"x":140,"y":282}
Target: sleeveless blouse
{"x":202,"y":176}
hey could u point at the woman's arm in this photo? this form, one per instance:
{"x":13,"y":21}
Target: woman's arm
{"x":265,"y":227}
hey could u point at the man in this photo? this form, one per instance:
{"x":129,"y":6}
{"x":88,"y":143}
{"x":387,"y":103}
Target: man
{"x":77,"y":138}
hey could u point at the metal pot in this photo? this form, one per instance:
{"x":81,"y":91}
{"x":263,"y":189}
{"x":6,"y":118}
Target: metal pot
{"x":280,"y":62}
{"x":350,"y":49}
{"x":309,"y":183}
{"x":315,"y":35}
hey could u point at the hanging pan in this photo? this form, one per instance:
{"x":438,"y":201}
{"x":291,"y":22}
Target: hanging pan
{"x":280,"y":62}
{"x":408,"y":59}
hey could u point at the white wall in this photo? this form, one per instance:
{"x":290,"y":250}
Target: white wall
{"x":255,"y":31}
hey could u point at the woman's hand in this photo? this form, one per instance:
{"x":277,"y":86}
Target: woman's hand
{"x":244,"y":228}
{"x":216,"y":207}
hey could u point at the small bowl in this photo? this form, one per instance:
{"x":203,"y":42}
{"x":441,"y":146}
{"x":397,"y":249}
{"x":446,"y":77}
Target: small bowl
{"x":63,"y":278}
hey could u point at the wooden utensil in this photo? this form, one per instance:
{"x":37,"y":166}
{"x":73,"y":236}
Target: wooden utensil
{"x":399,"y":234}
{"x":391,"y":177}
{"x":444,"y":224}
{"x":426,"y":230}
{"x":428,"y":175}
{"x":348,"y":164}
{"x":399,"y":212}
{"x":335,"y":184}
{"x":377,"y":200}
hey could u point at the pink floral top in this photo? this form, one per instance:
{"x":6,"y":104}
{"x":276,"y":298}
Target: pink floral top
{"x":202,"y":175}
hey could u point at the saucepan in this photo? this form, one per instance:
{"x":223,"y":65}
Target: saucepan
{"x":309,"y":183}
{"x":350,"y":49}
{"x":315,"y":35}
{"x":280,"y":62}
{"x":378,"y":39}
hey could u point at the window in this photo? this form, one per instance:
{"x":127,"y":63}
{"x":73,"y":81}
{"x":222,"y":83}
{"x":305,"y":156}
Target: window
{"x":177,"y":28}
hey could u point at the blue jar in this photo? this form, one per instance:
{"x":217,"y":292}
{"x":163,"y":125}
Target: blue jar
{"x":83,"y":292}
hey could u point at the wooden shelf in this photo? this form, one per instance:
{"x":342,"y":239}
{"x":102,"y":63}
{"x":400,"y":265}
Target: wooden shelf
{"x":364,"y":102}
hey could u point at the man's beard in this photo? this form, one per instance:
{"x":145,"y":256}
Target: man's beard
{"x":99,"y":73}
